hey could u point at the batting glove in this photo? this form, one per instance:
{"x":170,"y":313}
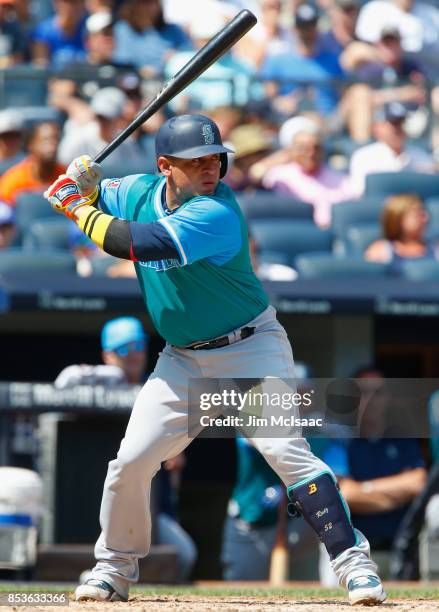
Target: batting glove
{"x":87,"y":175}
{"x":64,"y":196}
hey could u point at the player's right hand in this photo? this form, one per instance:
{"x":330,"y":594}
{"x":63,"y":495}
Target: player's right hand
{"x":87,"y":175}
{"x":64,"y":196}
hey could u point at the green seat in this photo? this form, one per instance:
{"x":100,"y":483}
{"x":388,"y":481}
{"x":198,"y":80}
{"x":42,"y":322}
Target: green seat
{"x":49,"y":234}
{"x":30,"y":206}
{"x":427,"y":269}
{"x":388,"y":183}
{"x":289,"y":237}
{"x":322,"y":265}
{"x":19,"y":261}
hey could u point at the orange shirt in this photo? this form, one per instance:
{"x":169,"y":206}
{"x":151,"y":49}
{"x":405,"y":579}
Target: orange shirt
{"x":20,"y":178}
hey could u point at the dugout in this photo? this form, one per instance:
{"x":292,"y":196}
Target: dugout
{"x":336,"y":326}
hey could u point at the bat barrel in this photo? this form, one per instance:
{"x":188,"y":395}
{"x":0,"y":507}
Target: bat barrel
{"x":205,"y":57}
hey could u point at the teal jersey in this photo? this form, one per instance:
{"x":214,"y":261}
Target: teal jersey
{"x":211,"y":288}
{"x":258,"y":490}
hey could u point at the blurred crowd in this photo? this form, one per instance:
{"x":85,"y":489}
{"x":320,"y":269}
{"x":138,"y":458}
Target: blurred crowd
{"x":317,"y":97}
{"x":320,"y":96}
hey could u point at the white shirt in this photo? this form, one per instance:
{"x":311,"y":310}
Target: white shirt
{"x":419,"y":28}
{"x":379,"y":157}
{"x":185,"y":12}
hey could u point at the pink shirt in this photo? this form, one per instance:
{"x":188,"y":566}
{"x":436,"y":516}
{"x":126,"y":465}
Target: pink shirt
{"x":322,"y":190}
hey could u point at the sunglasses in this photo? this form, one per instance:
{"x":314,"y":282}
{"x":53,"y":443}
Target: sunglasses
{"x":130,"y":347}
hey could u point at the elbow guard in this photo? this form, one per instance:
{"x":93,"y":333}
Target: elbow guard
{"x":112,"y":235}
{"x":128,"y":240}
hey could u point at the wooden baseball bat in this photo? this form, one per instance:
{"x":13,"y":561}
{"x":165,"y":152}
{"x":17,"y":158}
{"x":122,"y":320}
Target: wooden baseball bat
{"x":280,"y":560}
{"x":206,"y":56}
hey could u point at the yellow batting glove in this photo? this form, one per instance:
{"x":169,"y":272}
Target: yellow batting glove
{"x":87,"y":175}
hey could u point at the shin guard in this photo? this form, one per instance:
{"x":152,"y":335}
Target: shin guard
{"x":319,"y":501}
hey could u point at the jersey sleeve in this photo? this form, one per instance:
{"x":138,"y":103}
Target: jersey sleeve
{"x":206,"y":228}
{"x":113,"y":197}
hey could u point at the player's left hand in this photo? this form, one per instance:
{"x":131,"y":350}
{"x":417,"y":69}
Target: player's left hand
{"x":64,"y":196}
{"x":87,"y":175}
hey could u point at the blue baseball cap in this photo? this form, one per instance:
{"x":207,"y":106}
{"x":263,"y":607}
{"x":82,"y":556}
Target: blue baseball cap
{"x":120,"y":331}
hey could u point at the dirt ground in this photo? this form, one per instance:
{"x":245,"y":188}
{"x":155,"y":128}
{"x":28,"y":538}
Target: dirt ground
{"x":229,"y":604}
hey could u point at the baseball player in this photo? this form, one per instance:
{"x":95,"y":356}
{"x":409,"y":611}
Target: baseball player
{"x":188,"y":238}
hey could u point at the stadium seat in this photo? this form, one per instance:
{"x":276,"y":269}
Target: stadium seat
{"x":48,"y":234}
{"x":34,"y":115}
{"x":433,"y":223}
{"x":16,"y":260}
{"x":31,"y":206}
{"x":24,"y":85}
{"x":427,"y":269}
{"x":324,"y":265}
{"x":355,"y":212}
{"x":268,"y":205}
{"x":111,"y":170}
{"x":289,"y":237}
{"x":388,"y":183}
{"x":100,"y":265}
{"x":358,"y":237}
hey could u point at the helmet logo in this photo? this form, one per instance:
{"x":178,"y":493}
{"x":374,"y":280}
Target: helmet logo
{"x":209,"y":137}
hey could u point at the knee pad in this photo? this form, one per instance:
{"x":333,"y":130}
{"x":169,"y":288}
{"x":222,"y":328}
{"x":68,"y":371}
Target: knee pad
{"x":319,"y":501}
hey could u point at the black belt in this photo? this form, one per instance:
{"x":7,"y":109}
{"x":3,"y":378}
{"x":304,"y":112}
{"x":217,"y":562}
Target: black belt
{"x":242,"y":334}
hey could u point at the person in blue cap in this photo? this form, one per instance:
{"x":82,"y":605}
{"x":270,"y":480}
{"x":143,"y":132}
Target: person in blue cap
{"x":124,"y":342}
{"x":124,"y":345}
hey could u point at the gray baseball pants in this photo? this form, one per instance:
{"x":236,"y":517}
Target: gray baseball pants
{"x":158,"y":430}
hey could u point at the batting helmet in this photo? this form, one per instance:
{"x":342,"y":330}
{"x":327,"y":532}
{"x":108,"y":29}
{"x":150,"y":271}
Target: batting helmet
{"x":190,"y":136}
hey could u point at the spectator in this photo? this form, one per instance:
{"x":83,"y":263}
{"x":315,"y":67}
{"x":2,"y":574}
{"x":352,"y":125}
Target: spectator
{"x":98,"y":6}
{"x":301,"y":172}
{"x":13,"y":47}
{"x":269,"y":37}
{"x":390,"y":151}
{"x":185,"y":13}
{"x":261,"y":113}
{"x":124,"y":346}
{"x":108,"y":106}
{"x":307,"y":63}
{"x":250,"y":146}
{"x":99,"y":42}
{"x":382,"y":61}
{"x":417,"y":21}
{"x":69,"y":96}
{"x":11,"y":138}
{"x":227,"y":119}
{"x":404,"y":223}
{"x":389,"y":77}
{"x":378,"y":476}
{"x":143,"y":36}
{"x":131,"y":85}
{"x":7,"y":226}
{"x":225,"y":83}
{"x":36,"y":171}
{"x":343,"y":16}
{"x":59,"y":40}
